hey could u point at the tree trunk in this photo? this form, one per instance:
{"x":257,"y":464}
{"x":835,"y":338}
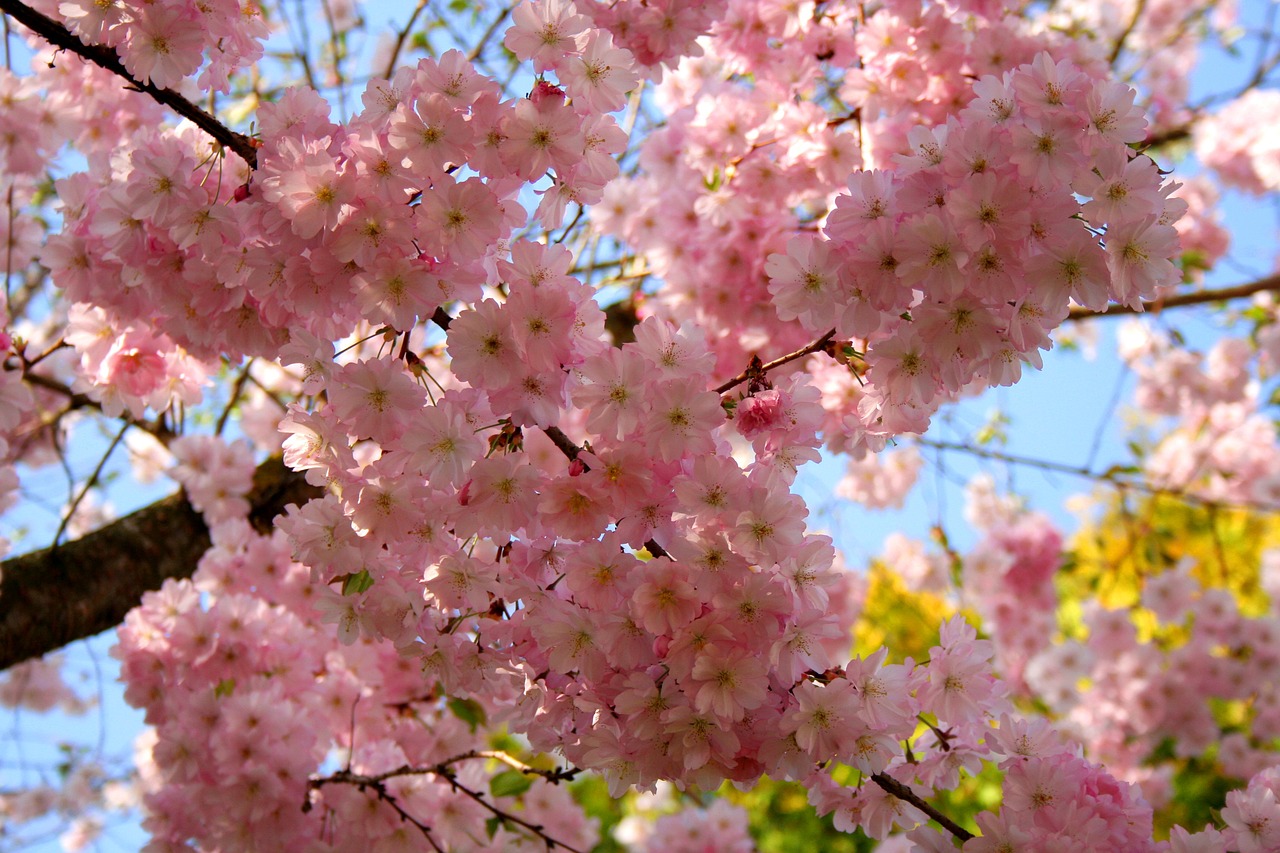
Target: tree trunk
{"x":58,"y":595}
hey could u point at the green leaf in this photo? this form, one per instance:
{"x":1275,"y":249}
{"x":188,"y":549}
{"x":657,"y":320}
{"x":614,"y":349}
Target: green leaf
{"x":491,"y":826}
{"x":510,"y":783}
{"x":225,"y":688}
{"x":469,"y":711}
{"x":354,"y":584}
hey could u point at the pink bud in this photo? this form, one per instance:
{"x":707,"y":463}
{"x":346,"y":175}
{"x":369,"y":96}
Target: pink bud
{"x":546,"y":94}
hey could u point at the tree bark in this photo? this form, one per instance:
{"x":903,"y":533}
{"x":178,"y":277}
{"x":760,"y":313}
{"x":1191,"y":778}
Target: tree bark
{"x":59,"y":595}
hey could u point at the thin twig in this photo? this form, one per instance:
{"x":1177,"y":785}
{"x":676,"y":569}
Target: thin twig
{"x":1110,"y":476}
{"x":89,"y":484}
{"x":817,"y":346}
{"x":535,"y":828}
{"x":1118,"y":48}
{"x":444,"y":771}
{"x":480,"y":45}
{"x":236,"y":390}
{"x":401,"y":37}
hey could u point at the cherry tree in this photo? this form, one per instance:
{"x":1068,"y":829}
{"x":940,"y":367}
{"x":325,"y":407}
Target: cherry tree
{"x":487,"y":350}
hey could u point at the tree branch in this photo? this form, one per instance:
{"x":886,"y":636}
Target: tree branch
{"x":817,"y":346}
{"x":445,"y":773}
{"x":59,"y":36}
{"x":1116,"y":476}
{"x":62,"y":594}
{"x":902,"y":792}
{"x":1200,"y":297}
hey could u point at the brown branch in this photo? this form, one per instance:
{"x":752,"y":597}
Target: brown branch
{"x":478,"y":48}
{"x":378,"y":784}
{"x":1200,"y":297}
{"x":1113,"y":476}
{"x":401,"y":37}
{"x":817,"y":346}
{"x":1176,"y":133}
{"x":902,"y":792}
{"x":563,"y":442}
{"x":1118,"y":47}
{"x":445,"y":773}
{"x":59,"y":595}
{"x":59,"y":36}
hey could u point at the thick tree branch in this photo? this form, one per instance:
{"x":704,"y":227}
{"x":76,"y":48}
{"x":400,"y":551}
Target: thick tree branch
{"x":1199,"y":297}
{"x":59,"y":36}
{"x":53,"y":597}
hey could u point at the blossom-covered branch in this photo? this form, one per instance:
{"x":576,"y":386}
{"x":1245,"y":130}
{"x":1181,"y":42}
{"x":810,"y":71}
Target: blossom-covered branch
{"x":1269,"y":284}
{"x":60,"y":37}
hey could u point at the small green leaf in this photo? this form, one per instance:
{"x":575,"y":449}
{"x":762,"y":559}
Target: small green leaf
{"x":491,"y":826}
{"x":225,"y":688}
{"x":510,"y":783}
{"x":469,"y":711}
{"x":1256,"y":313}
{"x":354,"y":584}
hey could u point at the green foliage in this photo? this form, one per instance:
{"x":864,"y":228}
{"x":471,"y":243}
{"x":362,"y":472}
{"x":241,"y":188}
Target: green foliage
{"x":356,"y":582}
{"x":906,"y":621}
{"x":1134,"y":539}
{"x":510,"y":783}
{"x":469,"y":711}
{"x":592,"y":794}
{"x":782,"y":821}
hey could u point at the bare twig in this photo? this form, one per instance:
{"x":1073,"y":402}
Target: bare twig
{"x":379,"y":788}
{"x":1118,"y":48}
{"x":401,"y":37}
{"x":1111,"y":476}
{"x":88,"y":484}
{"x":483,"y":41}
{"x":444,"y":771}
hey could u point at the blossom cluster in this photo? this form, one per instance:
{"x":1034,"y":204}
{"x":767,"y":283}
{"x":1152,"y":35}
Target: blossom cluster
{"x":582,"y":536}
{"x":950,"y":263}
{"x":1222,"y":446}
{"x":247,"y":698}
{"x":164,"y":42}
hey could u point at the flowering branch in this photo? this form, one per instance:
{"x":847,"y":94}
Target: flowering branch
{"x":1270,"y":284}
{"x":817,"y":346}
{"x":902,"y":792}
{"x":60,"y":37}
